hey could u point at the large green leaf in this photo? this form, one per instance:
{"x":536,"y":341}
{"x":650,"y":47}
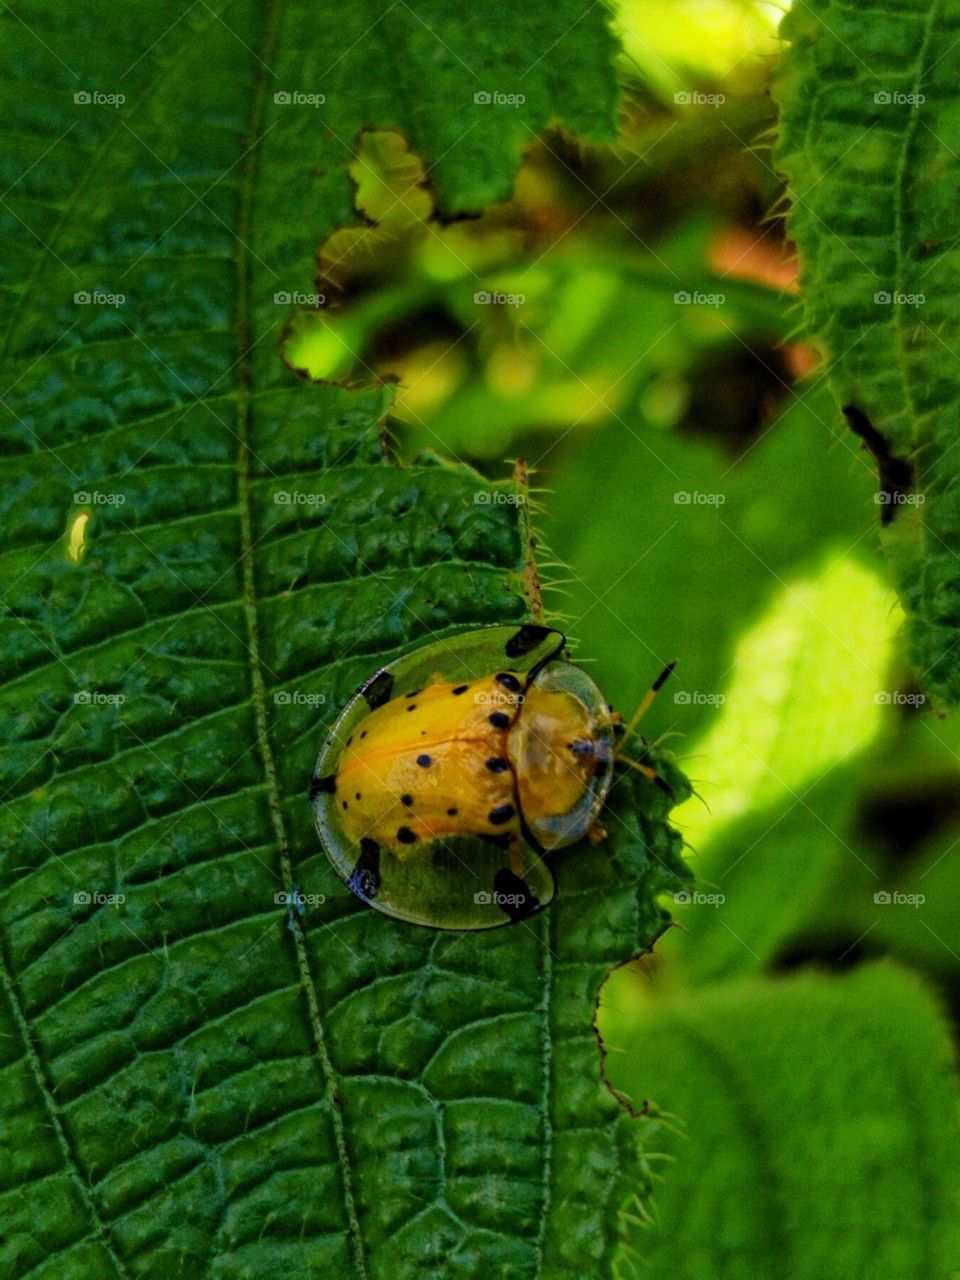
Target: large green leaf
{"x":805,"y":699}
{"x":870,"y":131}
{"x":201,"y":560}
{"x":815,"y":1128}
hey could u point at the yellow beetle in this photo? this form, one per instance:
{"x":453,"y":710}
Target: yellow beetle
{"x":454,"y":771}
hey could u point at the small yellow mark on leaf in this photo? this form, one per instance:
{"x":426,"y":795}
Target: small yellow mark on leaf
{"x":76,"y":535}
{"x":390,"y":179}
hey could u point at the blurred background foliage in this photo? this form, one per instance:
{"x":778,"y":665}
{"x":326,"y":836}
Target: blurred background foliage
{"x":627,"y":325}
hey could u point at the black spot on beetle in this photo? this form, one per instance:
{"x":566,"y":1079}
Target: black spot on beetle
{"x":509,"y":681}
{"x":407,"y":800}
{"x":424,"y":761}
{"x":503,"y":813}
{"x":356,"y":795}
{"x":345,"y":805}
{"x":405,"y":835}
{"x":453,"y":812}
{"x":513,"y":895}
{"x":499,"y":720}
{"x":350,"y":739}
{"x":412,"y":706}
{"x":498,"y":764}
{"x":323,"y":786}
{"x":415,"y":692}
{"x":378,"y":689}
{"x":363,"y":734}
{"x":525,"y":640}
{"x":461,"y":688}
{"x":365,"y":879}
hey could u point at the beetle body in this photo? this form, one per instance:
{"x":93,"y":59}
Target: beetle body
{"x":454,"y":771}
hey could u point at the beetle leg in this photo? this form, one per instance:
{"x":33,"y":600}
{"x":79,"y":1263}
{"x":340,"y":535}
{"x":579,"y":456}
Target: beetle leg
{"x":650,"y":773}
{"x":516,"y":860}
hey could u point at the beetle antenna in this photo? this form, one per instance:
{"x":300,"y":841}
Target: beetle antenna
{"x":648,"y":698}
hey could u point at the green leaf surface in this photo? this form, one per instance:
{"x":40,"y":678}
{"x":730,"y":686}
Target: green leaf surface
{"x":201,"y":561}
{"x":792,"y":1154}
{"x":736,"y":528}
{"x":806,"y":698}
{"x":908,"y":904}
{"x":756,"y":880}
{"x":870,"y":131}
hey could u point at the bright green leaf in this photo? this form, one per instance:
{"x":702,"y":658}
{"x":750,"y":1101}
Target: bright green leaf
{"x":870,"y":129}
{"x":806,"y":696}
{"x":807,"y":692}
{"x":815,"y":1127}
{"x":677,"y":45}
